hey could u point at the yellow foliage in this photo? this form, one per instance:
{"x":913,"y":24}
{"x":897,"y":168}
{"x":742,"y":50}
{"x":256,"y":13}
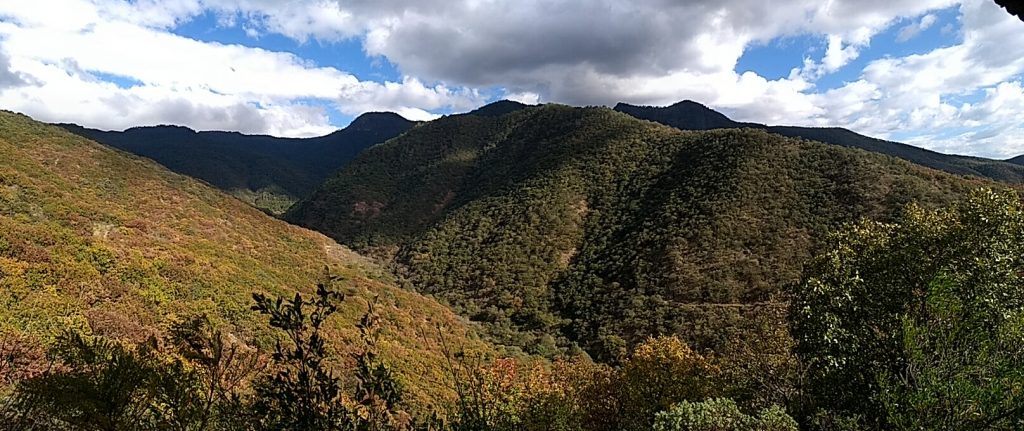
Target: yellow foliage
{"x":661,"y":372}
{"x":578,"y":394}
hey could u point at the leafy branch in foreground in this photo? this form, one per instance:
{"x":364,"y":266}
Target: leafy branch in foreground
{"x":302,"y":393}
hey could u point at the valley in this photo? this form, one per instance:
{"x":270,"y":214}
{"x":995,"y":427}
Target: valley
{"x":464,"y":215}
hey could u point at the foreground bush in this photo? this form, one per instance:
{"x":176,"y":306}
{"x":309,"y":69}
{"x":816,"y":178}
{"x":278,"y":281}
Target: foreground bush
{"x":919,"y":324}
{"x":721,"y":414}
{"x":198,"y":379}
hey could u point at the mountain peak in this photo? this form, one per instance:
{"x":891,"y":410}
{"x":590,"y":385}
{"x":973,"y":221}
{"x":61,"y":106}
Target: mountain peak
{"x":499,"y":108}
{"x":378,"y":120}
{"x":686,"y":114}
{"x":162,"y":127}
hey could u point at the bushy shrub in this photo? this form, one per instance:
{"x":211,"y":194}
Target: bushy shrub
{"x":660,"y":373}
{"x":721,"y":414}
{"x":918,"y":324}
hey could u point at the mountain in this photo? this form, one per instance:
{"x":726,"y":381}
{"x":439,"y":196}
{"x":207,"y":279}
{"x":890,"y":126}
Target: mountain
{"x":1019,"y":160}
{"x":689,"y":115}
{"x":686,"y":115}
{"x":111,"y":244}
{"x":267,"y":172}
{"x":499,"y":108}
{"x":559,"y":226}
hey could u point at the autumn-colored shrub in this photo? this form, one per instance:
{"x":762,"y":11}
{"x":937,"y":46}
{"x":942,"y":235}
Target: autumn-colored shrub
{"x":661,"y":372}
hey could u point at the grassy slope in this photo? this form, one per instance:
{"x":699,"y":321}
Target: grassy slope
{"x":588,"y":224}
{"x":98,"y":240}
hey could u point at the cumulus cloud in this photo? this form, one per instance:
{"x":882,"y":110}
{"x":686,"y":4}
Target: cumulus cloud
{"x":837,"y":55}
{"x":67,"y":44}
{"x":535,"y":46}
{"x":532,"y":44}
{"x":916,"y":96}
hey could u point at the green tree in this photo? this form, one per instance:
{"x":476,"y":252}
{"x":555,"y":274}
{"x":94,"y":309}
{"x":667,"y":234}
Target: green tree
{"x":917,"y":324}
{"x":958,"y":376}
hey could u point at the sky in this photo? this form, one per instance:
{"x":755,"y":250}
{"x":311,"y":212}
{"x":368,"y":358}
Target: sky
{"x":940,"y":74}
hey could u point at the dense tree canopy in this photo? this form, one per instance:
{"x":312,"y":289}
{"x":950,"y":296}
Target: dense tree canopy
{"x":558,"y":226}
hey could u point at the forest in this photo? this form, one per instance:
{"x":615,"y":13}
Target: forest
{"x":911,"y":324}
{"x":563,"y":229}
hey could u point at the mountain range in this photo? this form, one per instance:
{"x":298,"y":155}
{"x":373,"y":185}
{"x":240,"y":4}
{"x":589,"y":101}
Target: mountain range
{"x":268,"y":172}
{"x":273,"y":173}
{"x":689,"y":115}
{"x":517,"y":215}
{"x":584,"y":242}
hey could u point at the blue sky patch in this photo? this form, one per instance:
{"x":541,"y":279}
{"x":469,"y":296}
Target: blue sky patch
{"x":778,"y":57}
{"x":775,"y":59}
{"x":119,"y":80}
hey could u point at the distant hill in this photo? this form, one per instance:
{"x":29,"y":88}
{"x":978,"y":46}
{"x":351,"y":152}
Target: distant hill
{"x":689,"y":115}
{"x":499,"y":108}
{"x":1019,"y":160}
{"x":555,"y":225}
{"x":686,"y":115}
{"x":268,"y":172}
{"x":96,"y":239}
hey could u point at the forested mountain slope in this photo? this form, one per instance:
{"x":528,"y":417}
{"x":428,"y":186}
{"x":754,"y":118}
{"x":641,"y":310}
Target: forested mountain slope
{"x":268,"y":172}
{"x":689,"y":115}
{"x":98,"y":240}
{"x":559,"y":225}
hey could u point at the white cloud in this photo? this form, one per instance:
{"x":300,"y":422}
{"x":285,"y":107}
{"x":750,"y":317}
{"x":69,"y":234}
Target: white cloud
{"x":915,"y":95}
{"x":911,"y":30}
{"x":524,"y":97}
{"x":990,"y":127}
{"x":183,"y":81}
{"x":837,"y":55}
{"x":8,"y":77}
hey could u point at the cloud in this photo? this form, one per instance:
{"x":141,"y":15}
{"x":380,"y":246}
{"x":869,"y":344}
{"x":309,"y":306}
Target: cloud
{"x":911,"y":30}
{"x":916,"y":97}
{"x":8,"y":77}
{"x":530,"y":43}
{"x":837,"y":55}
{"x":180,"y":80}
